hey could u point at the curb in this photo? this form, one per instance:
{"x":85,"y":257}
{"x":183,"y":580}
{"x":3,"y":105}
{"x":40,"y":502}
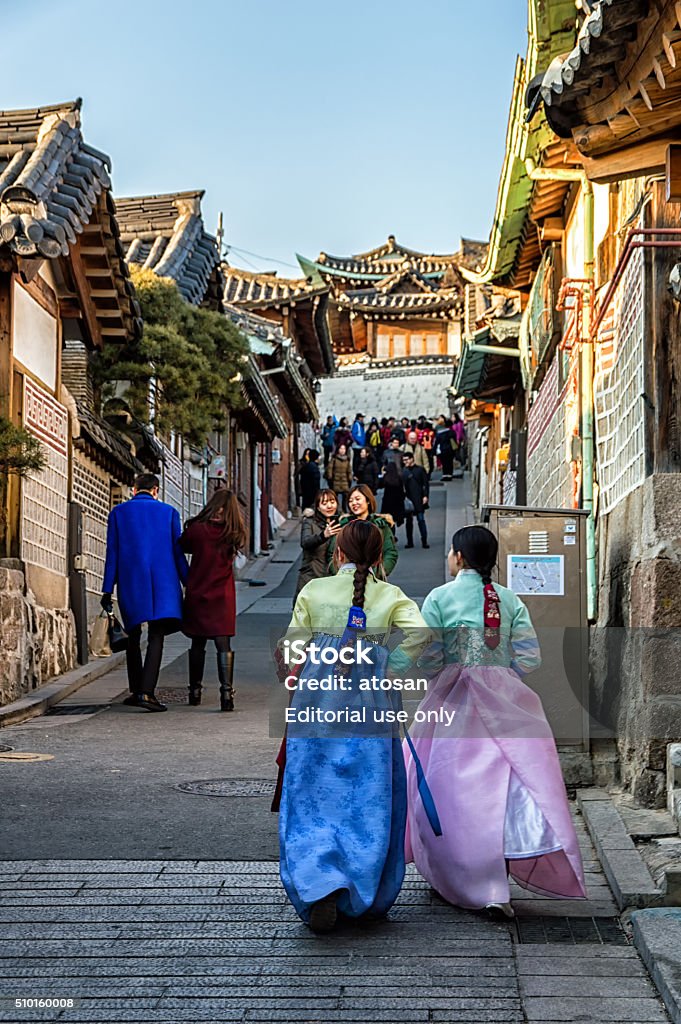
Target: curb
{"x":657,"y":937}
{"x":63,"y":686}
{"x":631,"y":882}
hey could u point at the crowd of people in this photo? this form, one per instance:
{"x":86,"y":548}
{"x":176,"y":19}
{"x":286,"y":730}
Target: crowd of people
{"x":391,"y":460}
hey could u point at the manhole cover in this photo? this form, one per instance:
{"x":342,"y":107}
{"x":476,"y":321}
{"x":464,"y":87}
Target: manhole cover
{"x":24,"y":756}
{"x":75,"y":709}
{"x":4,"y":748}
{"x":172,"y":695}
{"x":569,"y":930}
{"x":229,"y":787}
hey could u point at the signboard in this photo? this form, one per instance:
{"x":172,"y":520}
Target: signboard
{"x":536,"y":575}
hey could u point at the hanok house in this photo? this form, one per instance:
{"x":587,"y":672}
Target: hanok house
{"x":166,"y":234}
{"x":616,"y":97}
{"x":395,"y":317}
{"x":286,"y":321}
{"x":64,"y":286}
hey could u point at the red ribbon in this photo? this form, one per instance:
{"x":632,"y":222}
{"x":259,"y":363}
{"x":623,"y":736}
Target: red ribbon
{"x":492,"y":616}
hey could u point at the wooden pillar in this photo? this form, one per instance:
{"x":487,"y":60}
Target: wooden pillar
{"x":10,"y":395}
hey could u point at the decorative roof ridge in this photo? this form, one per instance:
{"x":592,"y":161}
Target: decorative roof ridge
{"x":40,"y":113}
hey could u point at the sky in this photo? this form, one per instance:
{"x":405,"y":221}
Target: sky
{"x":312,"y":126}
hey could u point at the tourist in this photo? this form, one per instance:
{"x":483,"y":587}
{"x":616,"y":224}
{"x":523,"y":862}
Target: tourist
{"x":494,"y":771}
{"x":343,"y":435}
{"x":426,"y":437}
{"x":417,"y":450}
{"x":328,"y":435}
{"x":366,"y":470}
{"x":339,"y":474}
{"x":444,"y":446}
{"x":362,"y":504}
{"x":392,"y":502}
{"x":319,"y":525}
{"x":213,"y":538}
{"x":393,"y":454}
{"x":343,"y":799}
{"x":145,"y":563}
{"x":416,"y":488}
{"x":374,"y":439}
{"x":309,"y":477}
{"x":459,"y":435}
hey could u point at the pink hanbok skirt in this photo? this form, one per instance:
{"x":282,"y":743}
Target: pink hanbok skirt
{"x":498,"y":787}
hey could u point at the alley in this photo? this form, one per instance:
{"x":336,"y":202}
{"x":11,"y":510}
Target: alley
{"x":140,"y":877}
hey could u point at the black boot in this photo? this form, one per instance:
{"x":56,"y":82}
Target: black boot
{"x":226,"y":677}
{"x":197,"y":658}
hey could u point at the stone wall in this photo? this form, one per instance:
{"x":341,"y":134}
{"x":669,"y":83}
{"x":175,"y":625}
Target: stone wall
{"x":36,"y":643}
{"x":636,"y":645}
{"x":394,"y":391}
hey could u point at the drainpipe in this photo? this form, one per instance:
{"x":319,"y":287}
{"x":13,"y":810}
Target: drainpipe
{"x":586,"y":372}
{"x":587,"y":403}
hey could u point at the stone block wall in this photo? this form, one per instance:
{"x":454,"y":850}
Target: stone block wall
{"x":36,"y":643}
{"x":636,"y":645}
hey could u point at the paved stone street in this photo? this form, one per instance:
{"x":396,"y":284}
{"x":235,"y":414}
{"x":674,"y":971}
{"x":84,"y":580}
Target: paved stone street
{"x":134,"y":884}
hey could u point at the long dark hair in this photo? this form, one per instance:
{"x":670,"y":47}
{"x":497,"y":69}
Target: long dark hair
{"x":362,"y":543}
{"x":223,"y":507}
{"x":479,"y":547}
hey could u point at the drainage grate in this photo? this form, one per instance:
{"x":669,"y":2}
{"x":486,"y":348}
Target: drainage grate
{"x":229,"y":787}
{"x":172,"y":695}
{"x":571,"y":931}
{"x":76,"y":709}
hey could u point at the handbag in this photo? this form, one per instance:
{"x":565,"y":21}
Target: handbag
{"x":409,"y":506}
{"x":118,"y":638}
{"x":99,"y":637}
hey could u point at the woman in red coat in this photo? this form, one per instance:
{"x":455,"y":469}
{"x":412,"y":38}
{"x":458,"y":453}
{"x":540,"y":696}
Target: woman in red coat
{"x":213,"y":538}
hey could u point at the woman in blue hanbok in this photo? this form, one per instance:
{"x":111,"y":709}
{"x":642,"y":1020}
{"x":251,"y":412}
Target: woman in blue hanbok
{"x":344,"y":800}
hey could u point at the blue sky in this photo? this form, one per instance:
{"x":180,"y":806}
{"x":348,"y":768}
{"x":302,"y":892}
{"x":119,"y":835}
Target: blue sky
{"x":312,"y":126}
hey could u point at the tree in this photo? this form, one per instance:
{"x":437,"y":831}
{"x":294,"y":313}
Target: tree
{"x":189,"y":356}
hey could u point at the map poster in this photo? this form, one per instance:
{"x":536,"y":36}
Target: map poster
{"x":536,"y":575}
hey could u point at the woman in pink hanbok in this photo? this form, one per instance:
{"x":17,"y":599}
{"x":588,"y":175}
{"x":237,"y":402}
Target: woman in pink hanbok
{"x":486,"y":748}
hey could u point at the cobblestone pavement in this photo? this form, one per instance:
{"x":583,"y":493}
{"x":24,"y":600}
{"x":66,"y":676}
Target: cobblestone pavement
{"x":209,"y":941}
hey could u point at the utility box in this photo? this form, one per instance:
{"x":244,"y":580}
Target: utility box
{"x":542,"y":558}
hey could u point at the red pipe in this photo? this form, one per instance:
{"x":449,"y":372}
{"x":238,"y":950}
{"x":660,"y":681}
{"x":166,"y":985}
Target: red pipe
{"x":629,"y":247}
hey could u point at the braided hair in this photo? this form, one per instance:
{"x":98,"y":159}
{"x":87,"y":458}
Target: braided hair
{"x":479,"y":548}
{"x":362,"y":543}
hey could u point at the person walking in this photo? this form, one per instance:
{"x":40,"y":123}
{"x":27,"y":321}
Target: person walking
{"x":393,"y":453}
{"x":318,"y":527}
{"x":343,"y":800}
{"x":444,"y":446}
{"x":493,"y":771}
{"x":366,"y":470}
{"x":412,"y":446}
{"x":362,"y":503}
{"x":328,"y":434}
{"x":416,"y":491}
{"x":310,"y":477}
{"x":427,"y":439}
{"x":374,"y":439}
{"x":359,"y":438}
{"x":146,"y":566}
{"x":343,"y":435}
{"x":213,"y":538}
{"x":459,"y":435}
{"x":339,"y":474}
{"x":392,"y":502}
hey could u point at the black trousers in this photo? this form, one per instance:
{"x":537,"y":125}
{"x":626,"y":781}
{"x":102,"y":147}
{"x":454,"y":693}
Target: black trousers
{"x":222,"y":643}
{"x":143,"y":675}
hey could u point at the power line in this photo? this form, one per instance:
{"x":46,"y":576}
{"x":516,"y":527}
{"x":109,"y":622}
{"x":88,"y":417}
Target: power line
{"x":259,"y":256}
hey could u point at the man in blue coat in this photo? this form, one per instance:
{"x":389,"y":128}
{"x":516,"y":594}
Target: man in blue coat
{"x":146,"y":565}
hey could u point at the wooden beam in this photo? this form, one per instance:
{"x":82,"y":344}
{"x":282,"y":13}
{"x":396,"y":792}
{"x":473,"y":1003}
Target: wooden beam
{"x":83,"y":288}
{"x":673,"y":174}
{"x":631,"y":162}
{"x":94,"y":250}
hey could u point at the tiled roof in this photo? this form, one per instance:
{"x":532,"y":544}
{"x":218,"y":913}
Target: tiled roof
{"x":380,"y":262}
{"x":245,"y":286}
{"x":108,"y":442}
{"x":49,"y":179}
{"x":54,"y":187}
{"x":401,"y":304}
{"x":165,"y":233}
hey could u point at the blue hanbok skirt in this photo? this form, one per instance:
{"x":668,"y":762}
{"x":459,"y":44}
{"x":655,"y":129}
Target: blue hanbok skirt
{"x":343,"y":807}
